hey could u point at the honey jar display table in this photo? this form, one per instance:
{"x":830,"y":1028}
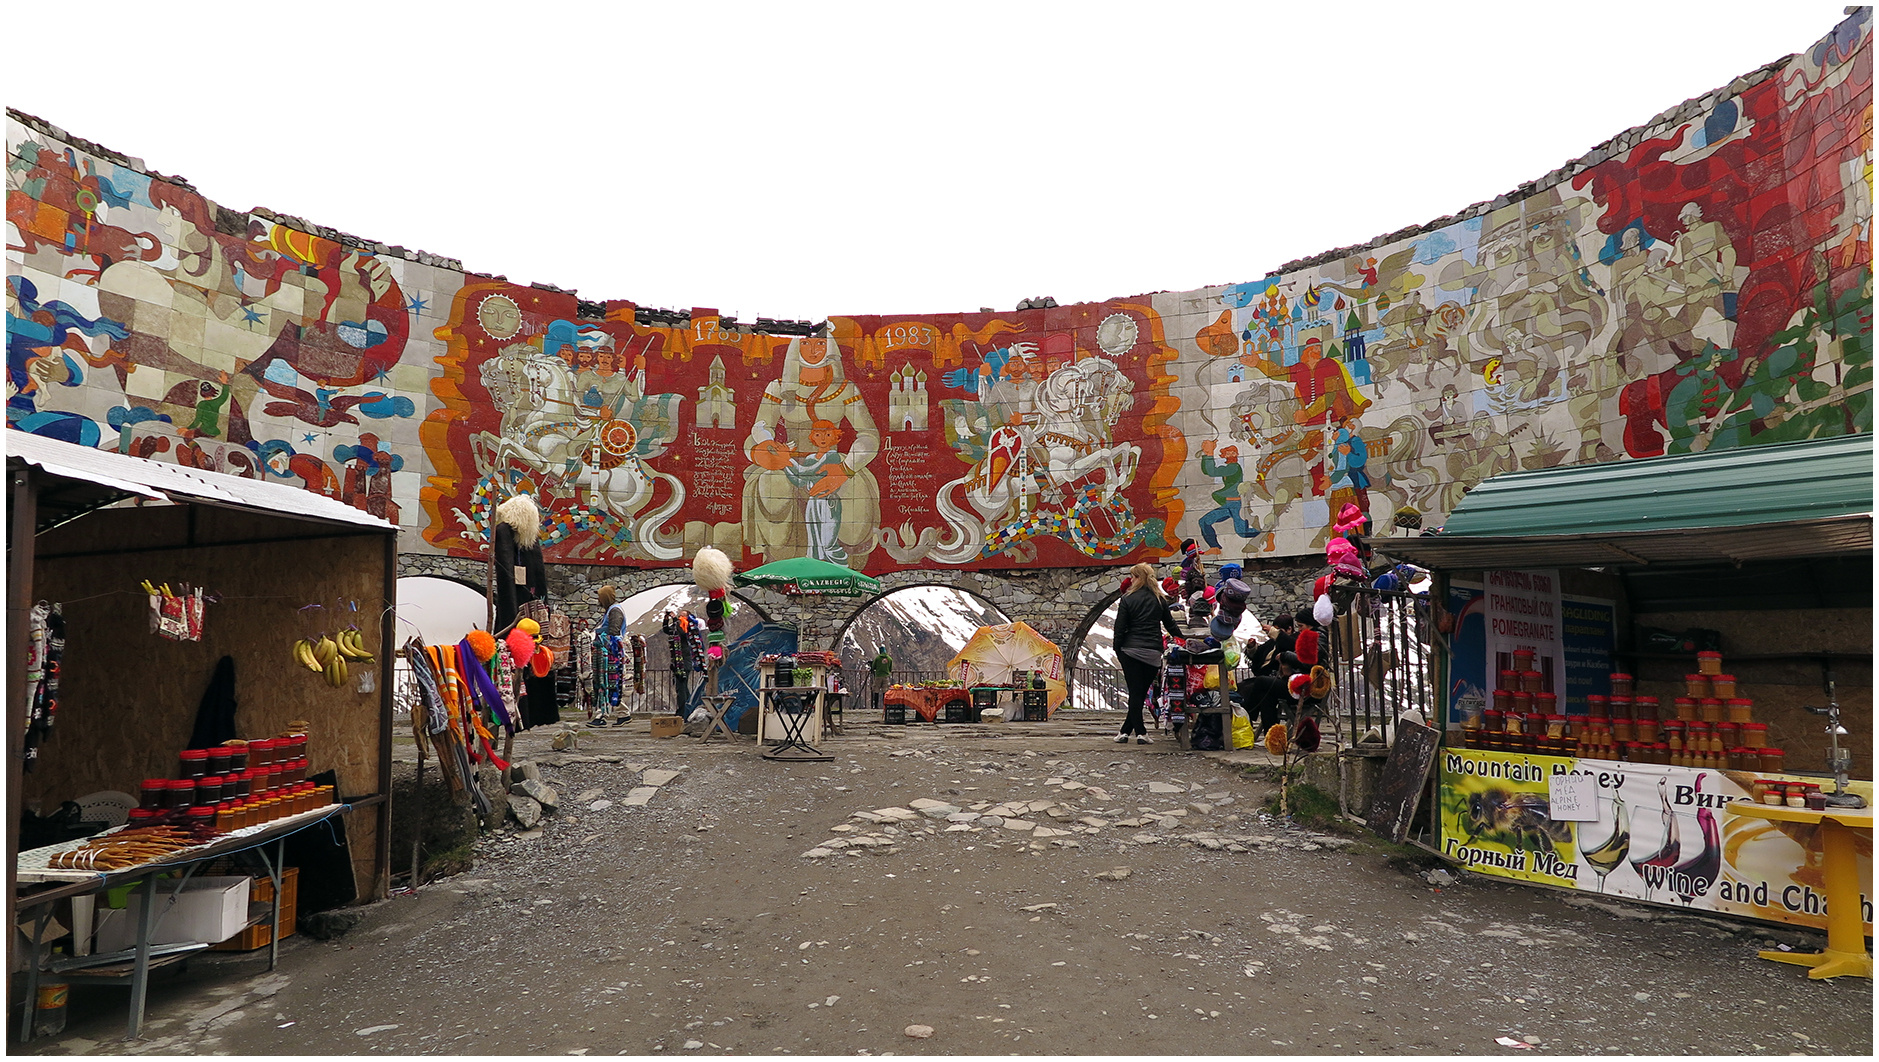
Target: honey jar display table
{"x":1846,"y":934}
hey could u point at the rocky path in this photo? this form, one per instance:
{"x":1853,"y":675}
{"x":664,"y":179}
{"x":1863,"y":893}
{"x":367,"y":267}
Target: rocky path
{"x":962,"y":893}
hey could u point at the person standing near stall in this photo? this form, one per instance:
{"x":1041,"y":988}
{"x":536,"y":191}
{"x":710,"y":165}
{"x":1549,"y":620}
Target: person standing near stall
{"x":1141,"y":615}
{"x":880,"y":670}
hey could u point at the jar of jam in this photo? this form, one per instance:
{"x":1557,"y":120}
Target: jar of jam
{"x":142,"y":816}
{"x":1709,"y":663}
{"x":299,"y":745}
{"x":1523,"y":660}
{"x":150,"y":794}
{"x":195,"y":762}
{"x":219,"y":756}
{"x":1685,"y":706}
{"x":183,"y":793}
{"x":1644,"y":708}
{"x":1494,"y":721}
{"x":1523,"y":703}
{"x":1722,"y":686}
{"x":1774,"y":793}
{"x":1624,"y":730}
{"x":1797,"y":794}
{"x":1660,"y":753}
{"x":1598,"y":706}
{"x":237,"y":755}
{"x":209,"y":789}
{"x":1709,"y":710}
{"x":1816,"y":798}
{"x":1503,"y":699}
{"x":202,"y":815}
{"x":326,"y":796}
{"x":276,"y":777}
{"x":1532,"y":681}
{"x":1621,"y":684}
{"x":1771,"y":759}
{"x":1696,"y":685}
{"x":1510,"y":679}
{"x":1740,"y":709}
{"x":300,"y":769}
{"x":1755,"y":735}
{"x":1621,"y":708}
{"x":1728,"y":735}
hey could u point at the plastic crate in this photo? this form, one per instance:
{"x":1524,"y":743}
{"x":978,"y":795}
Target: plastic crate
{"x":1036,"y":706}
{"x":894,"y":714}
{"x":959,"y":710}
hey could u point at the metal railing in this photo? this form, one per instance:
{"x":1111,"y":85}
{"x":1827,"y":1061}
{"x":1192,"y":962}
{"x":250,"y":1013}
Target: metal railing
{"x":1378,"y":653}
{"x":1099,"y":688}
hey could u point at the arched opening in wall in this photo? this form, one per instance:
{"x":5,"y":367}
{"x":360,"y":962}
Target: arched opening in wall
{"x":645,"y":614}
{"x":438,"y":610}
{"x":922,"y":627}
{"x":1098,"y":672}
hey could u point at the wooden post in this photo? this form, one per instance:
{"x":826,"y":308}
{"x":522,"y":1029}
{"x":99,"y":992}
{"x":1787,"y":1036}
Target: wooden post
{"x":21,"y":550}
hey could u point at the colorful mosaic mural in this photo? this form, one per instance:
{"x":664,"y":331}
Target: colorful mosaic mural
{"x":1702,"y":282}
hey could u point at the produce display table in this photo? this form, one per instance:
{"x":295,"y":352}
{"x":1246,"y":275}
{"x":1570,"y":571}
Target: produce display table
{"x":132,"y":966}
{"x":1839,"y":837}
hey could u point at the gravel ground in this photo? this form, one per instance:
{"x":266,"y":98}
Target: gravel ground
{"x":1105,"y":899}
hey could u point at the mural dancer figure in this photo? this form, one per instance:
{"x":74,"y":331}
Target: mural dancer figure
{"x":1227,"y":500}
{"x":776,"y":501}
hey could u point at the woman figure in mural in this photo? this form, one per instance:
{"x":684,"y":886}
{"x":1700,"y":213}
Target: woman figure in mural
{"x":776,"y":497}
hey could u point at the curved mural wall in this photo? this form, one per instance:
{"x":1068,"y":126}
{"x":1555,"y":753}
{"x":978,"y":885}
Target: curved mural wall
{"x":1703,"y":281}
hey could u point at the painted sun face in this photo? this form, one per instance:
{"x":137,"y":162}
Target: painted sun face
{"x":500,"y":317}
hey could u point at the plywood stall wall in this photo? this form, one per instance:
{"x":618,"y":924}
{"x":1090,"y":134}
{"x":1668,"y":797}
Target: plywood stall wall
{"x":129,"y":697}
{"x":1780,"y":687}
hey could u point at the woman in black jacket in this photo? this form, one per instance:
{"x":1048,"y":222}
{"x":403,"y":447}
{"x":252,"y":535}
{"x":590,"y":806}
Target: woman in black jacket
{"x":1141,"y":615}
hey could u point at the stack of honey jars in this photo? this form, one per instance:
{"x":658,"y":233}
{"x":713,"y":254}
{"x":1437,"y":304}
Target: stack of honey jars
{"x":235,"y":785}
{"x":1720,"y":730}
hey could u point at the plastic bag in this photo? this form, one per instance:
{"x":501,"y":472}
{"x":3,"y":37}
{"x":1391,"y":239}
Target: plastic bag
{"x":1243,"y":736}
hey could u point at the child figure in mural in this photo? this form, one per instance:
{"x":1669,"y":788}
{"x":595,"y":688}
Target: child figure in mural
{"x":822,"y":513}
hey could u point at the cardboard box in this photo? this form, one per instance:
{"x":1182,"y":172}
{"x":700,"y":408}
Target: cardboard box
{"x":260,"y":936}
{"x":665,"y":726}
{"x":209,"y":910}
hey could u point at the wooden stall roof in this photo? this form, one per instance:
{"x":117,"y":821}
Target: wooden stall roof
{"x":81,"y":479}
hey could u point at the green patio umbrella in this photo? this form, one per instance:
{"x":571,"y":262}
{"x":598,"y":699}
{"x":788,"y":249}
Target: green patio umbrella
{"x":806,"y":575}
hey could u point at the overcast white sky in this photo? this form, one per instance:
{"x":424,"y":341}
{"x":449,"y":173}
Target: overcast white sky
{"x":801,"y":160}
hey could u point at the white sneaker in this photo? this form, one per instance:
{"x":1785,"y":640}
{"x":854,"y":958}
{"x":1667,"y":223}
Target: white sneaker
{"x":1143,"y":740}
{"x":1122,"y":739}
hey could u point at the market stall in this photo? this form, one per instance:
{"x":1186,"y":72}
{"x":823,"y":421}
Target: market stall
{"x":1007,"y":666}
{"x":212,"y":614}
{"x":1630,"y":649}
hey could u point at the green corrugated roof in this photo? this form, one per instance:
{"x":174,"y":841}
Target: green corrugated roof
{"x":1718,"y":488}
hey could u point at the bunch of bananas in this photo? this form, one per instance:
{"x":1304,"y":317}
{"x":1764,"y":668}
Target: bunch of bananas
{"x":329,"y":655}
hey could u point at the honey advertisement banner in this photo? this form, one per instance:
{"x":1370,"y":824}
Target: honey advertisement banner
{"x":1656,"y":833}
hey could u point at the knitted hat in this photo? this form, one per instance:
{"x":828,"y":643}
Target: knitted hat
{"x":1321,"y":683}
{"x":521,"y":644}
{"x":483,"y":644}
{"x":542,"y":662}
{"x":534,"y":629}
{"x":1308,"y":734}
{"x":1275,"y":739}
{"x":1298,"y":685}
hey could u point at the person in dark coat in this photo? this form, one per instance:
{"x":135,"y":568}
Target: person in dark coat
{"x":1263,"y":694}
{"x":521,"y":580}
{"x":1141,"y":615}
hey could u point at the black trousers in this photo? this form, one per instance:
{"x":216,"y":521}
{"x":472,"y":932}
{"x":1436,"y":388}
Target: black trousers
{"x":1137,"y":676}
{"x":1260,"y":694}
